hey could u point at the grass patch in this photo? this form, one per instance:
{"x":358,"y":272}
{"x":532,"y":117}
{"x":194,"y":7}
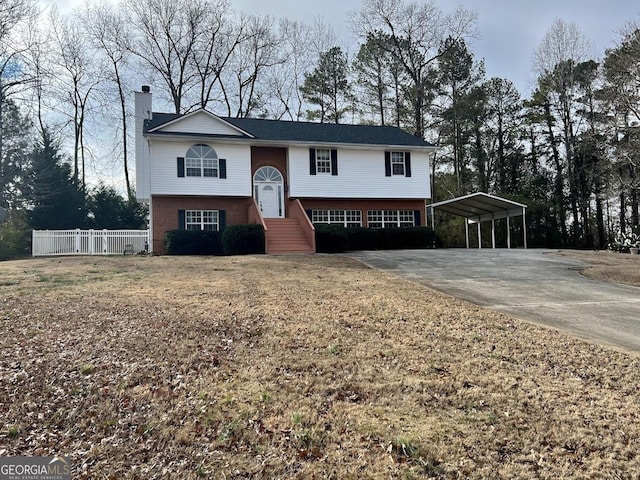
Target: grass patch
{"x":87,"y":369}
{"x":57,"y":280}
{"x":409,"y":451}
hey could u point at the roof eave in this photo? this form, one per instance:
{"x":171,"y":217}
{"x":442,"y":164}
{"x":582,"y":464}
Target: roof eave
{"x":301,"y":143}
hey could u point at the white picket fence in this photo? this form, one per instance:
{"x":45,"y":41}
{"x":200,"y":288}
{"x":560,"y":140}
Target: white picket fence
{"x":88,"y":242}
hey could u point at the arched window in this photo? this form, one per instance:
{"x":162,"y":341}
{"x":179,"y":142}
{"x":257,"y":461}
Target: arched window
{"x":201,"y":161}
{"x":267,"y":174}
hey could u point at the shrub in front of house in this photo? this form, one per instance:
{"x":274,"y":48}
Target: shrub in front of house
{"x":335,"y":238}
{"x":406,"y":237}
{"x":362,"y":238}
{"x":193,"y":242}
{"x":243,"y":239}
{"x":331,"y":239}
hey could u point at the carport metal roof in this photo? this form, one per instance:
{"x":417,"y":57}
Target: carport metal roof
{"x":480,"y":207}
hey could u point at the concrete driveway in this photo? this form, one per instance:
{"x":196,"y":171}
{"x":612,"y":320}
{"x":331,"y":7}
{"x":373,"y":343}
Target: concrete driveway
{"x":534,"y":285}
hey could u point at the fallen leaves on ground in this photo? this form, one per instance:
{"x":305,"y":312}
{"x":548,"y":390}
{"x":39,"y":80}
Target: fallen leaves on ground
{"x":296,"y":367}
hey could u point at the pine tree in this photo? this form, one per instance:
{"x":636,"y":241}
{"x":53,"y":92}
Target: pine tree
{"x":110,"y":210}
{"x":15,"y":135}
{"x":57,"y":199}
{"x":327,"y":87}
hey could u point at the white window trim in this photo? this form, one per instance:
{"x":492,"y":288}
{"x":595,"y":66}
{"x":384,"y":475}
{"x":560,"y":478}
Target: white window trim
{"x":324,"y":217}
{"x":396,"y":161}
{"x":198,"y":163}
{"x":215,"y":214}
{"x":391,"y":218}
{"x":325,"y":169}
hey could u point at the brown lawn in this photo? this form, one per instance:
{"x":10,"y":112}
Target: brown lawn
{"x":609,"y":266}
{"x":296,"y":367}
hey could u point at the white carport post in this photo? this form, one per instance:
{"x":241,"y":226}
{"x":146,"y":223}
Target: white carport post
{"x":466,"y":230}
{"x":508,"y":231}
{"x":479,"y":235}
{"x":524,"y":225}
{"x":493,"y":231}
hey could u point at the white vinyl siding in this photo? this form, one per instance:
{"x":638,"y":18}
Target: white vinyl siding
{"x":201,"y":122}
{"x":164,"y":175}
{"x":362,"y":175}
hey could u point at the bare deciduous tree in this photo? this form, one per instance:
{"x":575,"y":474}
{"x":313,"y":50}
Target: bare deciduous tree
{"x":258,"y":52}
{"x":562,"y":42}
{"x":109,"y":35}
{"x":284,"y":82}
{"x":214,"y":49}
{"x":78,"y":76}
{"x":168,"y":31}
{"x":12,"y":13}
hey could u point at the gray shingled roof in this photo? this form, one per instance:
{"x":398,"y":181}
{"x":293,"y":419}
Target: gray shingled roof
{"x":286,"y":131}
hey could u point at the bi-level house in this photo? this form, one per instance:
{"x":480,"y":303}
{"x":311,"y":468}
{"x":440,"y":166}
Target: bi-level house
{"x":201,"y":171}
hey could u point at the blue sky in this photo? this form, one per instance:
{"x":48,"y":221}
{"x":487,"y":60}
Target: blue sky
{"x":510,"y":30}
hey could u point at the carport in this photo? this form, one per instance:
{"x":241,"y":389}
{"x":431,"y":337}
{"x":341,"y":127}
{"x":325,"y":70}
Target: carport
{"x":481,"y":207}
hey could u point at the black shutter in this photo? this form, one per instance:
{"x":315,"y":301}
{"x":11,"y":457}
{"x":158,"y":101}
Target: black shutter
{"x":407,"y":164}
{"x":181,"y":220}
{"x":222,"y":166}
{"x":180,"y":166}
{"x":222,"y":219}
{"x":312,"y":161}
{"x":310,"y":215}
{"x":416,"y":218}
{"x":387,"y":164}
{"x":334,"y":162}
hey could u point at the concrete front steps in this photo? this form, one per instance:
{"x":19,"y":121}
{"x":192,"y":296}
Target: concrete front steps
{"x":285,"y":235}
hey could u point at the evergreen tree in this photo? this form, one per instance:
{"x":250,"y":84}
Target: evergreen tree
{"x":503,"y":110}
{"x":327,"y":87}
{"x":458,"y":75}
{"x":57,"y":199}
{"x":622,"y":94}
{"x":15,"y":236}
{"x":107,"y":209}
{"x":381,"y":81}
{"x":15,"y":136}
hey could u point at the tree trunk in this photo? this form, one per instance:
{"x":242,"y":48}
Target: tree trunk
{"x":123,"y":112}
{"x":623,"y":207}
{"x":601,"y":243}
{"x":559,"y":180}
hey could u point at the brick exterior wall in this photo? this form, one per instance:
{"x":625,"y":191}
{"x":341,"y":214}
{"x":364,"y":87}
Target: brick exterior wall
{"x":269,"y":157}
{"x":363,"y":205}
{"x":165,"y":213}
{"x":272,"y":157}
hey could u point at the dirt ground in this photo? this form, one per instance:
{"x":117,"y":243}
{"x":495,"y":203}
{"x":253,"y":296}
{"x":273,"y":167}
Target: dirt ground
{"x":298,"y":367}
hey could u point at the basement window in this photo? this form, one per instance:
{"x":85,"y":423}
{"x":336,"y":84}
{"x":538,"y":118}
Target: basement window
{"x":202,"y":220}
